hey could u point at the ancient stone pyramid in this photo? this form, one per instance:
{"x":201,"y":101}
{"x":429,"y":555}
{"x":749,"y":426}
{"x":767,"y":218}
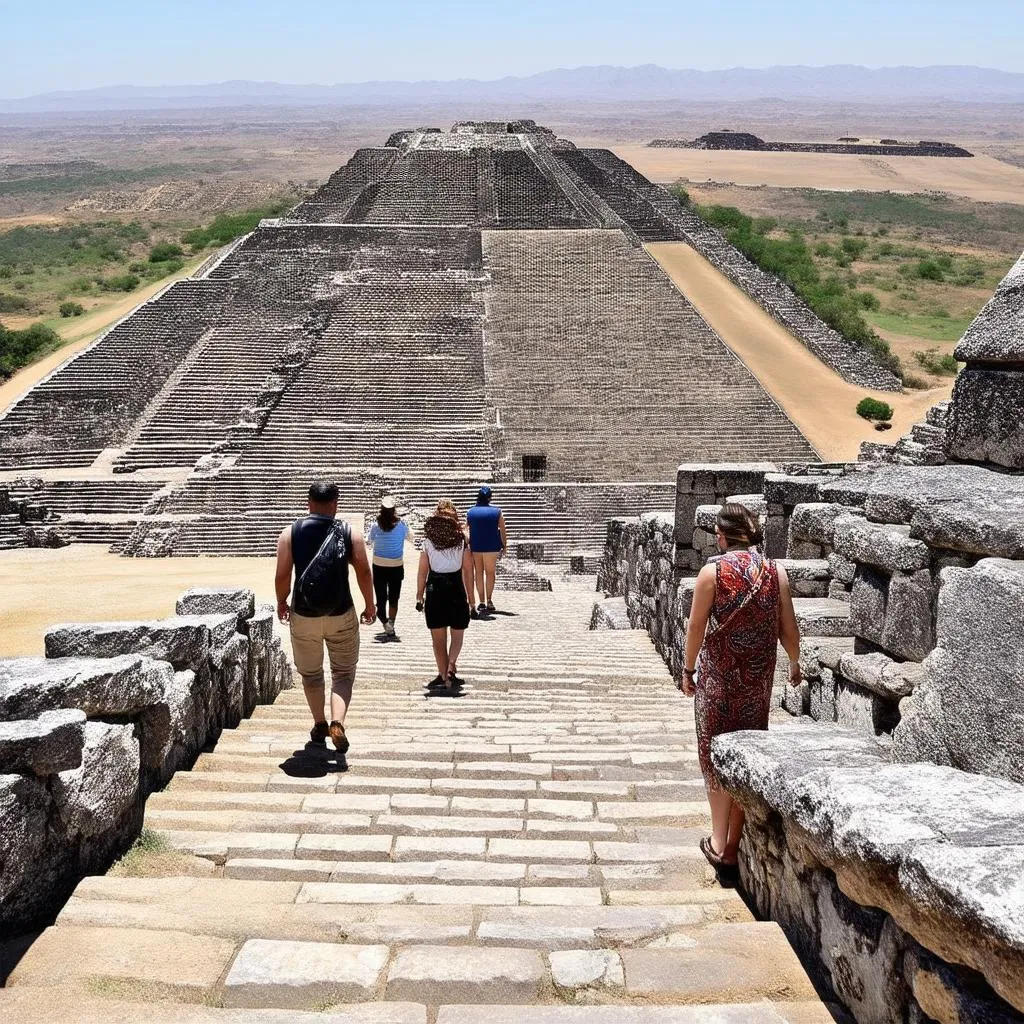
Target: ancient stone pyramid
{"x":455,"y":306}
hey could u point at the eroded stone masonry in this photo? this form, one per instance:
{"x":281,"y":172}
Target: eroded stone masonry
{"x":105,"y":718}
{"x":887,"y":837}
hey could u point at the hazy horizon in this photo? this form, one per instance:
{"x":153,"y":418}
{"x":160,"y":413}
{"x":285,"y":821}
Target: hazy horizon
{"x":116,"y":43}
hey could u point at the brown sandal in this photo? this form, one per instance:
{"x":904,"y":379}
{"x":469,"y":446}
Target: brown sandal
{"x":714,"y":859}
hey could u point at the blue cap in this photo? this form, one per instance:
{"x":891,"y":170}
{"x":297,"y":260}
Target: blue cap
{"x":484,"y":494}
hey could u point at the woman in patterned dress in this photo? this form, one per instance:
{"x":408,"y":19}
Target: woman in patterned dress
{"x":742,"y":608}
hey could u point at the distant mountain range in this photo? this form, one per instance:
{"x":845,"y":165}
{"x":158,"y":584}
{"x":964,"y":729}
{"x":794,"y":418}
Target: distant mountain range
{"x":648,"y":82}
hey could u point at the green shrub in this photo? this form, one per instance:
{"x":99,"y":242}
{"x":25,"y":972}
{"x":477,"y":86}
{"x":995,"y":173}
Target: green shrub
{"x":941,"y":366}
{"x":930,"y":270}
{"x":854,"y":246}
{"x":867,"y":300}
{"x":681,"y":194}
{"x":120,"y":283}
{"x":165,"y":251}
{"x":12,"y":303}
{"x":873,"y":409}
{"x":19,"y":348}
{"x":71,"y":309}
{"x":6,"y":271}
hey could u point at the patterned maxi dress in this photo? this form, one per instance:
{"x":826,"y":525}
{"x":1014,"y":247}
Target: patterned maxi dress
{"x":737,"y":661}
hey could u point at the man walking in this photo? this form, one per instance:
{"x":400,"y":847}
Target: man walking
{"x":321,"y":548}
{"x":488,"y":541}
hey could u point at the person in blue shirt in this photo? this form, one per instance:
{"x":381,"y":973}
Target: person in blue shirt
{"x":388,"y":537}
{"x":488,"y":541}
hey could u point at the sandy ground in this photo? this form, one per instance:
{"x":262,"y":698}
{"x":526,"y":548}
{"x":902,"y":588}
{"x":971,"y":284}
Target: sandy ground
{"x":981,"y":177}
{"x":816,"y":398}
{"x":86,"y":583}
{"x":78,"y":332}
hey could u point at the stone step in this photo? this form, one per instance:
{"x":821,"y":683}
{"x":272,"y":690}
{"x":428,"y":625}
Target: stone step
{"x":230,"y":907}
{"x":737,"y":961}
{"x":21,"y":1007}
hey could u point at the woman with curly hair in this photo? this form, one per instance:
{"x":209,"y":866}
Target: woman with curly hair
{"x":444,"y":586}
{"x":742,"y":608}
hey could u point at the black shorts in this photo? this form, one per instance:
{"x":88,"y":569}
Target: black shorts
{"x":446,"y":605}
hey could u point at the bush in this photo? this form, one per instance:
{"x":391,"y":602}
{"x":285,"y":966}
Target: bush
{"x":120,"y":283}
{"x":854,"y":246}
{"x":165,"y":251}
{"x":681,"y":194}
{"x":12,"y":303}
{"x":930,"y":270}
{"x":873,"y":409}
{"x":941,"y":366}
{"x":19,"y":348}
{"x":71,"y":309}
{"x":867,"y":300}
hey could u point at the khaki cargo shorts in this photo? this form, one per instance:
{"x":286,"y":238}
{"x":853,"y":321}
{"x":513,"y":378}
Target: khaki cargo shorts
{"x":339,"y":634}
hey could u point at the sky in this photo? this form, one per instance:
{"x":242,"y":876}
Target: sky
{"x":50,"y":45}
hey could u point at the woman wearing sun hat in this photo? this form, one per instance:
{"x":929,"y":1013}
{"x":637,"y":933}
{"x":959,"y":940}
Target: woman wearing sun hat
{"x":388,"y":537}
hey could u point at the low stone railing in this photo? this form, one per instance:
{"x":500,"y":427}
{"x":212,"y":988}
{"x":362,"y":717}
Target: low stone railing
{"x":899,"y":885}
{"x":106,"y":718}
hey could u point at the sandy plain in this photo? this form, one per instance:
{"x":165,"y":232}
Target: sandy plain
{"x":814,"y":397}
{"x":980,"y":177}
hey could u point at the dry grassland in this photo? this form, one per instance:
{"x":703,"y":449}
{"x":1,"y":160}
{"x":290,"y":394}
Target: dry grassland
{"x":814,"y":397}
{"x":981,"y":178}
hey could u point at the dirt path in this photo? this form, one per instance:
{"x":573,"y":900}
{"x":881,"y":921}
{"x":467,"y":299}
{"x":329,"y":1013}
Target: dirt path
{"x":816,"y":398}
{"x":981,"y":177}
{"x":79,"y":332}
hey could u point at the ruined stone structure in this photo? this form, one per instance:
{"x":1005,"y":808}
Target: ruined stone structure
{"x":746,"y":141}
{"x":104,"y":719}
{"x":456,"y":306}
{"x":885,"y":833}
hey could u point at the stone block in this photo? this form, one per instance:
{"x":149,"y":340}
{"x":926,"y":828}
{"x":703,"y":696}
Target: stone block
{"x":781,"y":489}
{"x":821,"y":697}
{"x":841,"y":569}
{"x":29,"y":871}
{"x":42,"y":746}
{"x":95,"y":799}
{"x":986,"y":417}
{"x":218,"y":601}
{"x":815,"y":522}
{"x":303,"y":975}
{"x":121,"y":685}
{"x":909,"y":630}
{"x":587,"y":968}
{"x":886,"y":546}
{"x":723,"y":478}
{"x":705,"y":520}
{"x":880,"y":674}
{"x":868,"y":600}
{"x":808,"y":577}
{"x":968,"y":709}
{"x":465,"y":974}
{"x":187,"y":642}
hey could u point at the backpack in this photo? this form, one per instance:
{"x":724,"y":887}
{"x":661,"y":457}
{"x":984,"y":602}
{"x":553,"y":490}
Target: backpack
{"x":322,"y":578}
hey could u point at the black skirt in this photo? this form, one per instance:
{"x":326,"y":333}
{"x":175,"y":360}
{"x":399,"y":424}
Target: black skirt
{"x":445,"y":604}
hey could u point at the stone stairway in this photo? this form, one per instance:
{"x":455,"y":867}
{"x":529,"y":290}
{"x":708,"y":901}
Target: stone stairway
{"x":525,"y":851}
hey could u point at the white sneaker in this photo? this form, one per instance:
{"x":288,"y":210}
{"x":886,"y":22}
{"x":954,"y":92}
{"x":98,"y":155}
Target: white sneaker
{"x":389,"y":627}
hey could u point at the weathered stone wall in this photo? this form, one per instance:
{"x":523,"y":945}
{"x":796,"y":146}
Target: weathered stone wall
{"x":107,"y":717}
{"x":23,"y":522}
{"x":879,"y":875}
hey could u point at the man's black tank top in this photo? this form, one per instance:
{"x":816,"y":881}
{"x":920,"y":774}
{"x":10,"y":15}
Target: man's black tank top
{"x":307,"y":536}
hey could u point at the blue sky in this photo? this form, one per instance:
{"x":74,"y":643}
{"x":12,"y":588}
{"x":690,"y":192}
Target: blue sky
{"x":56,"y":44}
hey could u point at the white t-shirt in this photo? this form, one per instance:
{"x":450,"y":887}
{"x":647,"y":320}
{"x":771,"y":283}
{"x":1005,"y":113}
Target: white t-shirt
{"x":446,"y":560}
